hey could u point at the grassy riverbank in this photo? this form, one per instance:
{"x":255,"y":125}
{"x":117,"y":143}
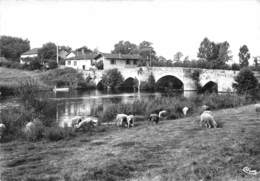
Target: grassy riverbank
{"x":11,"y":78}
{"x":174,"y":150}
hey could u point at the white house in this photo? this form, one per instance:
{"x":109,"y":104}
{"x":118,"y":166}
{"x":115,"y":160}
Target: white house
{"x":29,"y":54}
{"x":118,"y":61}
{"x":81,"y":62}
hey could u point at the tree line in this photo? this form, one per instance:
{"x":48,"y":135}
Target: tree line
{"x":210,"y":54}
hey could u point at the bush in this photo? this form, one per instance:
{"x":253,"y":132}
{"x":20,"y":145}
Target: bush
{"x":246,"y":82}
{"x":195,"y":76}
{"x":112,"y":78}
{"x":51,"y":64}
{"x":218,"y":101}
{"x":11,"y":64}
{"x":150,"y":85}
{"x":99,"y":65}
{"x":87,"y":84}
{"x":235,"y":66}
{"x":32,"y":64}
{"x":36,"y":133}
{"x":7,"y":90}
{"x":63,"y":77}
{"x":58,"y":133}
{"x":14,"y":120}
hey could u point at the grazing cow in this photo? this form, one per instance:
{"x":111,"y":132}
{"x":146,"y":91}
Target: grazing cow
{"x":207,"y":119}
{"x":33,"y":126}
{"x":2,"y":130}
{"x":71,"y":122}
{"x":130,"y":120}
{"x":87,"y":122}
{"x":155,"y":118}
{"x":121,"y":120}
{"x":185,"y":110}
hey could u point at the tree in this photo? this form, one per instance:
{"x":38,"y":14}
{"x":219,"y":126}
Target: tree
{"x":83,"y":50}
{"x":63,"y":77}
{"x":223,"y":54}
{"x":151,"y":82}
{"x":48,"y":52}
{"x":12,"y":47}
{"x":177,"y":57}
{"x":146,"y":51}
{"x":245,"y":81}
{"x":32,"y":63}
{"x":99,"y":65}
{"x":235,"y":66}
{"x":217,"y":54}
{"x":112,"y":78}
{"x":256,"y":59}
{"x":207,"y":50}
{"x":186,"y":59}
{"x":244,"y":56}
{"x":66,"y":48}
{"x":125,"y":47}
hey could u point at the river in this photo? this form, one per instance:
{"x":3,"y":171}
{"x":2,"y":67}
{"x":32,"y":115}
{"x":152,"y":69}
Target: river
{"x":79,"y":103}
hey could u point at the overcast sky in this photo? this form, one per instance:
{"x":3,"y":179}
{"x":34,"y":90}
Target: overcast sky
{"x":170,"y":25}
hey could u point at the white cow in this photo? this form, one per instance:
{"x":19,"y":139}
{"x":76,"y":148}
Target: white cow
{"x":2,"y":130}
{"x":155,"y":118}
{"x":206,"y":118}
{"x":87,"y":122}
{"x":121,"y":120}
{"x":185,"y":110}
{"x":32,"y":126}
{"x":130,"y":120}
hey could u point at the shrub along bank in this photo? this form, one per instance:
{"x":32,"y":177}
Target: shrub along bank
{"x":173,"y":105}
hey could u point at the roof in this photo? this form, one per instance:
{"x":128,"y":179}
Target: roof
{"x":31,"y":52}
{"x":88,"y":56}
{"x":120,"y":56}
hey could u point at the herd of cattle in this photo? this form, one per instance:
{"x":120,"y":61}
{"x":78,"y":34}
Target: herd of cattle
{"x":122,"y":120}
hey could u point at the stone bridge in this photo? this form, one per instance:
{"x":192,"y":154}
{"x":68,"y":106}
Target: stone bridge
{"x":223,"y":79}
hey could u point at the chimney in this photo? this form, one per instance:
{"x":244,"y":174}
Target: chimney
{"x":82,"y":51}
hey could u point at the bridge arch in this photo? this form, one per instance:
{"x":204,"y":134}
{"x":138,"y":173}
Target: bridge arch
{"x":130,"y":83}
{"x":210,"y":86}
{"x":169,"y":82}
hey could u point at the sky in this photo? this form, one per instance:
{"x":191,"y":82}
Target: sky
{"x":172,"y":26}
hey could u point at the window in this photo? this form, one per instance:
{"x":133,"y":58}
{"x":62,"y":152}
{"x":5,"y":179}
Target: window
{"x":83,"y":67}
{"x":112,"y":61}
{"x":69,"y":62}
{"x":75,"y":63}
{"x":135,"y":62}
{"x":127,"y":62}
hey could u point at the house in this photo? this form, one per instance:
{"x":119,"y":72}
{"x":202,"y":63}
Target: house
{"x":81,"y":62}
{"x":78,"y":52}
{"x":118,"y":60}
{"x":29,"y":54}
